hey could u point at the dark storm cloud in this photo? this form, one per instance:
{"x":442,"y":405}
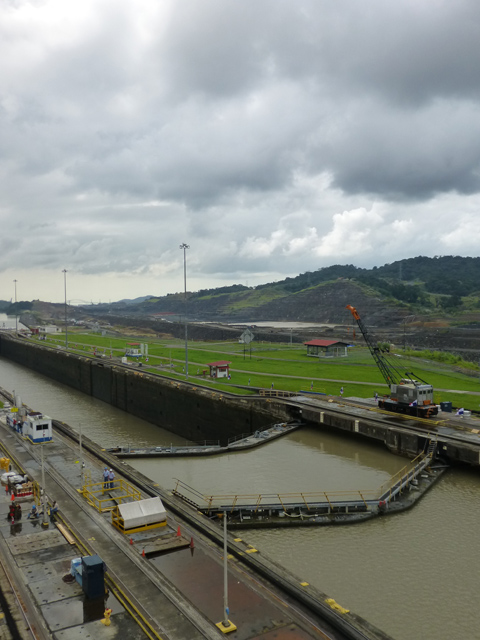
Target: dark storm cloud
{"x":402,"y":155}
{"x":277,"y":132}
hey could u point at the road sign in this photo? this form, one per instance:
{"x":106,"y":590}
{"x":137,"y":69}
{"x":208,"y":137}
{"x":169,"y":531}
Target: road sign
{"x":246,"y":337}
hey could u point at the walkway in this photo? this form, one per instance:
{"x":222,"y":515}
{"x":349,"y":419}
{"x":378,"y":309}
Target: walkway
{"x":316,"y":507}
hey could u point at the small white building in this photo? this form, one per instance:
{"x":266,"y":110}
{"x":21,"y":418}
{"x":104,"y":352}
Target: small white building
{"x":48,"y":328}
{"x":219,"y":369}
{"x":37,"y":427}
{"x":133,"y":350}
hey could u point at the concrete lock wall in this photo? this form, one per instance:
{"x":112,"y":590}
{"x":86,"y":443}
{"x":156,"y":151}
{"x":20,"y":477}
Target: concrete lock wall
{"x":65,"y":368}
{"x":198,"y":413}
{"x":398,"y":441}
{"x":194,"y":413}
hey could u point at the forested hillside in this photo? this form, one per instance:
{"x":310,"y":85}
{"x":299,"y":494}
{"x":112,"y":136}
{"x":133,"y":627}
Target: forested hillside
{"x":440,"y":285}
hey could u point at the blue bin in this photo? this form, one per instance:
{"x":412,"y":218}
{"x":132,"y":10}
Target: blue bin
{"x":446,"y":406}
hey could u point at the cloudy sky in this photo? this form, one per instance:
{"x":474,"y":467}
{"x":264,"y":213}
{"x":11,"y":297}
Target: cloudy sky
{"x":272,"y":136}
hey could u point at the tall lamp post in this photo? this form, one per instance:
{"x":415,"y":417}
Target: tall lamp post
{"x":66,"y":323}
{"x":16,"y":314}
{"x":185,"y":246}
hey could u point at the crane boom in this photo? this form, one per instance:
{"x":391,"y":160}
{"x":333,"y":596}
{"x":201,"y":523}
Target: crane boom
{"x":389,"y":372}
{"x":407,"y":395}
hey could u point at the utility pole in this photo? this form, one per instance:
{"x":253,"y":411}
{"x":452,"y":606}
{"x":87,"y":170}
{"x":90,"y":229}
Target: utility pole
{"x":44,"y":487}
{"x":16,"y":314}
{"x":66,"y":323}
{"x":226,"y":626}
{"x":185,"y":246}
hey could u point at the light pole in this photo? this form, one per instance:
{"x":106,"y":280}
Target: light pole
{"x":16,"y":316}
{"x":226,"y":626}
{"x":44,"y":495}
{"x":66,"y":324}
{"x":82,"y":463}
{"x":185,"y":247}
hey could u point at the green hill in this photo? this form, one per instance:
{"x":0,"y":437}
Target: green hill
{"x":431,"y":286}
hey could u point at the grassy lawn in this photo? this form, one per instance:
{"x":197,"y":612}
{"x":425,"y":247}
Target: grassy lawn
{"x":286,"y":366}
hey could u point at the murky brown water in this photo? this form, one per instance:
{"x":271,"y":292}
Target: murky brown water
{"x":414,"y":575}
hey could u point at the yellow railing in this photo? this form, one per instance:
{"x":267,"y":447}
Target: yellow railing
{"x":106,"y":498}
{"x":257,"y":501}
{"x":275,"y":393}
{"x":284,"y":500}
{"x":403,"y":472}
{"x":218,"y":502}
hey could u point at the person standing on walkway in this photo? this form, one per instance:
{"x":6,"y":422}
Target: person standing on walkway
{"x":341,"y":391}
{"x":105,"y":478}
{"x":53,"y":510}
{"x":111,"y":477}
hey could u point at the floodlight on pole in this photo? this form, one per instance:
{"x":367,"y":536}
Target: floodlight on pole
{"x":185,"y":246}
{"x":66,"y":323}
{"x":16,"y":314}
{"x":44,"y":489}
{"x":226,"y":625}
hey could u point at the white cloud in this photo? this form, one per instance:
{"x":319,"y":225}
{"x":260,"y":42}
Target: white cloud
{"x":273,"y":137}
{"x":464,"y":236}
{"x":352,"y":234}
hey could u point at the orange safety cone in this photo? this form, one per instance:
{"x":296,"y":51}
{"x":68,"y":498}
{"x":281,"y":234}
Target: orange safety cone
{"x":192,"y":544}
{"x":131,"y":540}
{"x":12,"y":498}
{"x":178,"y":532}
{"x":143,"y":553}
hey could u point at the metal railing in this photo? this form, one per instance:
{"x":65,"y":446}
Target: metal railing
{"x":101,"y":498}
{"x":334,"y":500}
{"x":274,"y":393}
{"x":400,"y":480}
{"x":171,"y":448}
{"x":282,"y":501}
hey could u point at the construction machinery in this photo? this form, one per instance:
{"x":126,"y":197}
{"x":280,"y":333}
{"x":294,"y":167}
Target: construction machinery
{"x":407,"y":394}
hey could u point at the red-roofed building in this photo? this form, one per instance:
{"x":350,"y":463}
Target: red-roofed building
{"x":326,"y":348}
{"x":219,"y":369}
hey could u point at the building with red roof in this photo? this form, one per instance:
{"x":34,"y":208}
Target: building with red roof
{"x":219,"y":369}
{"x":326,"y":348}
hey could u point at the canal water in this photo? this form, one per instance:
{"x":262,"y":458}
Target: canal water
{"x":414,"y":575}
